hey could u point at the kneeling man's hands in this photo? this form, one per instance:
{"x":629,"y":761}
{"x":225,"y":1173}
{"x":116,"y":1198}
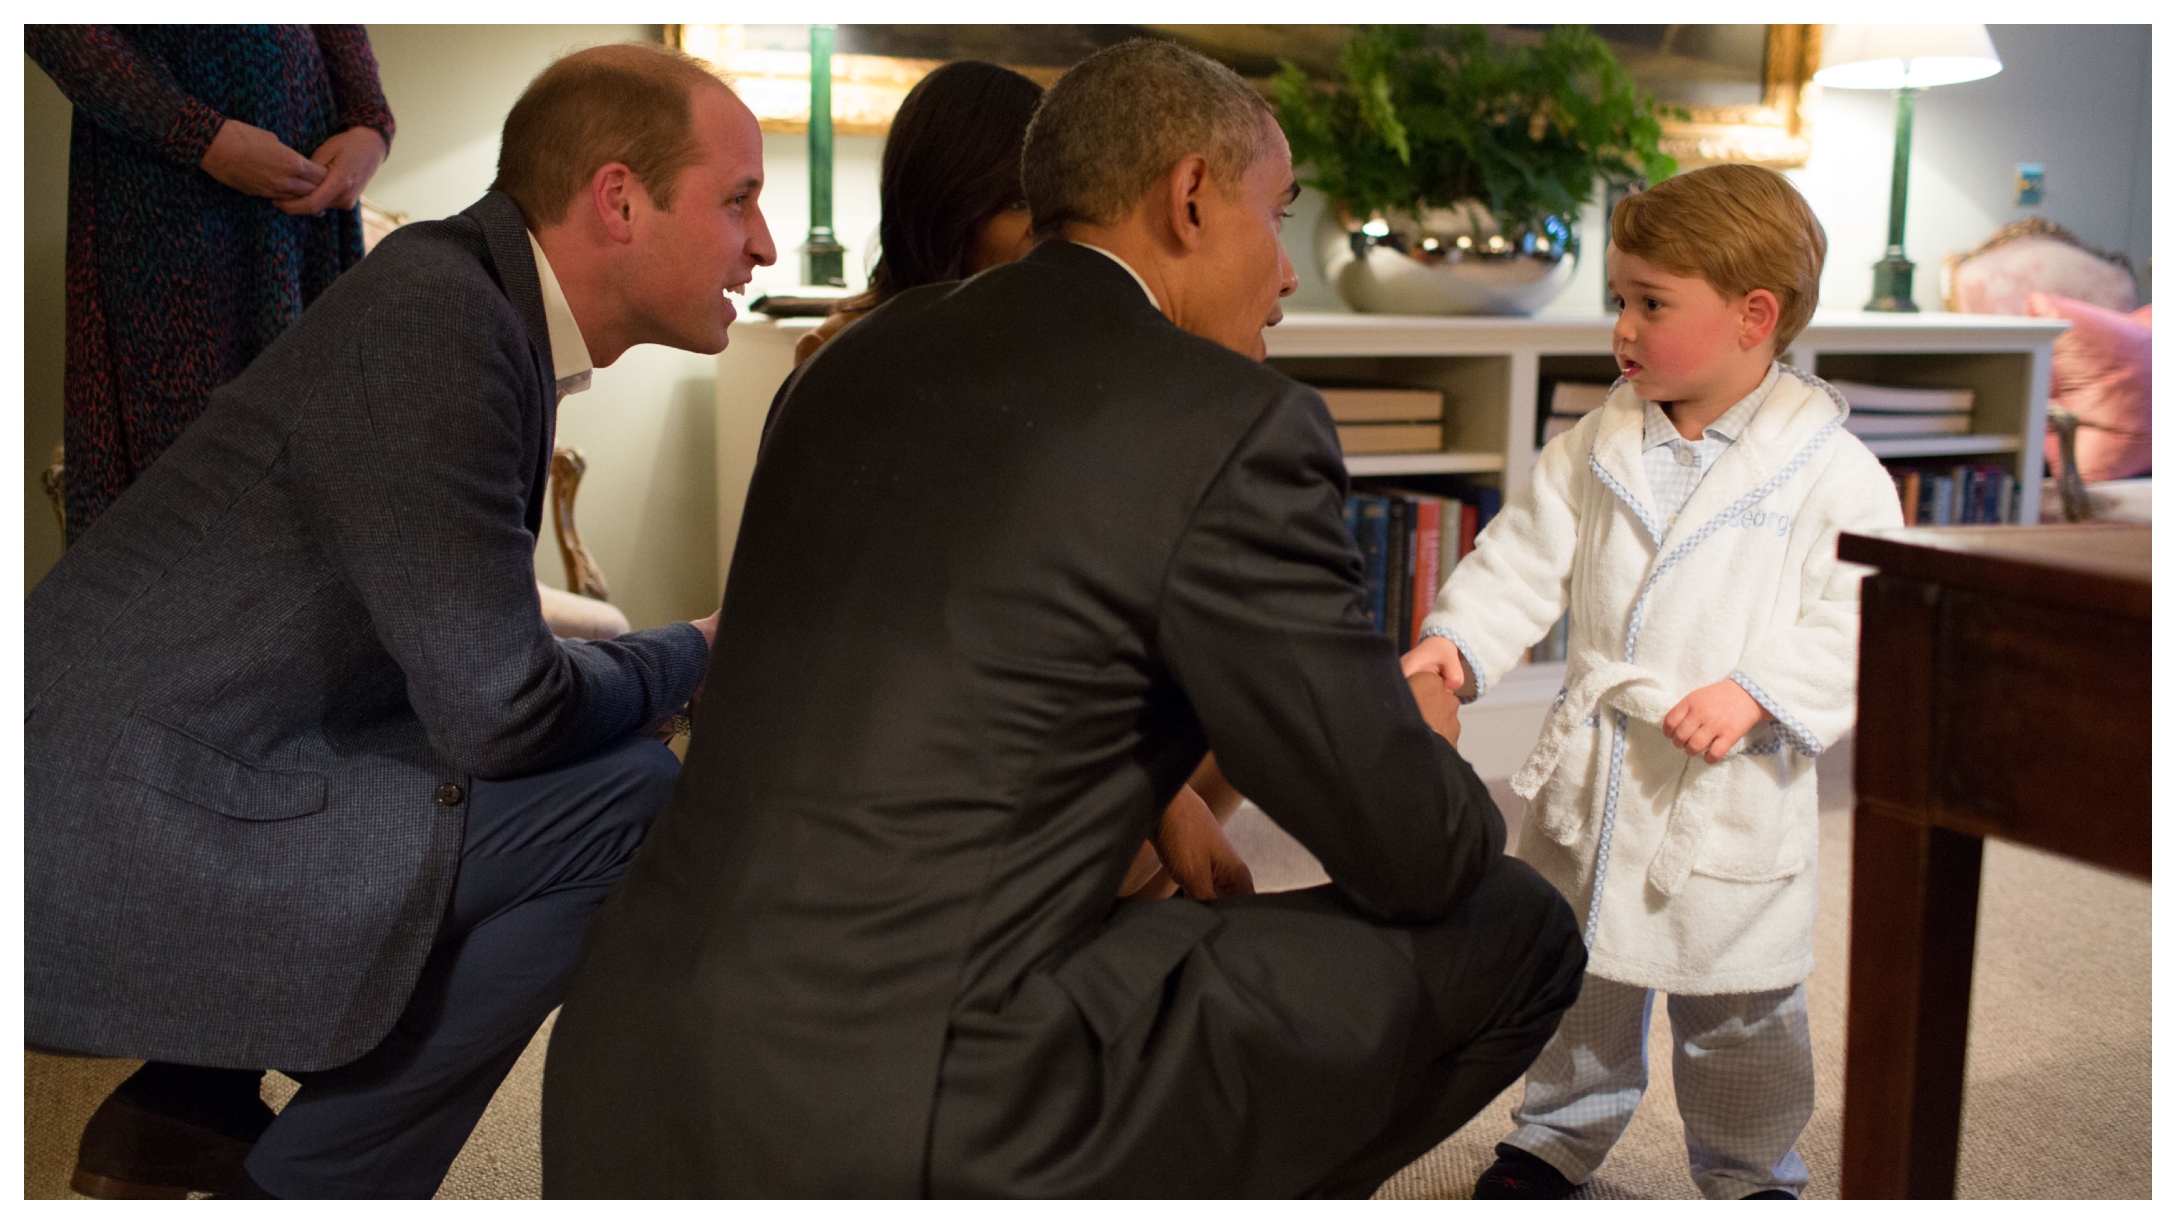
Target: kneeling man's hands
{"x":1711,"y":719}
{"x":1195,"y":855}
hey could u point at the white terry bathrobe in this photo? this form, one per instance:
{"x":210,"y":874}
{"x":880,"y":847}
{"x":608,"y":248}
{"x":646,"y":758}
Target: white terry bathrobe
{"x":1691,"y":878}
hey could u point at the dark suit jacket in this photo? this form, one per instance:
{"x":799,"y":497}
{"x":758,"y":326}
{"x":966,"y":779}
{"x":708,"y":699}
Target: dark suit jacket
{"x":1016,"y":552}
{"x":256,"y":690}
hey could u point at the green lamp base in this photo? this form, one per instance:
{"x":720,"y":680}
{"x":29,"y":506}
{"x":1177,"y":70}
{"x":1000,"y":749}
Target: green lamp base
{"x":1893,"y":285}
{"x":823,"y":260}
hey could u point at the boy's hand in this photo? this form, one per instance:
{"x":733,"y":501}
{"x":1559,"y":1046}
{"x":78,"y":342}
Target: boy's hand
{"x":1438,"y":705}
{"x":1711,"y":719}
{"x":1438,"y":655}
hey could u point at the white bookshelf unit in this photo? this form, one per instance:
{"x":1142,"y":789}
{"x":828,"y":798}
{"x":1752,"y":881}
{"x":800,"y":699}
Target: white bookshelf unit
{"x":1491,"y":370}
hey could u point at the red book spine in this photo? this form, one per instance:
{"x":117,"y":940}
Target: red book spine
{"x":1469,"y":526}
{"x":1427,"y":558}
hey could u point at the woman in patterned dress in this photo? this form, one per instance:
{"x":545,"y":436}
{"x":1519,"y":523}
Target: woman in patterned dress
{"x":197,"y":229}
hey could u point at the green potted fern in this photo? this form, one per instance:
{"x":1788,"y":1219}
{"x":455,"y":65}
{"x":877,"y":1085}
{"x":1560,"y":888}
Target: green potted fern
{"x":1456,"y":170}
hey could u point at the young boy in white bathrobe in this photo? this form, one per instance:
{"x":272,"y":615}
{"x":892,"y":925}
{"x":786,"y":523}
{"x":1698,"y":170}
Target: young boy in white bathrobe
{"x":1689,"y":527}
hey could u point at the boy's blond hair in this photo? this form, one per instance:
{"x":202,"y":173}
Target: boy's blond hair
{"x":1739,"y":228}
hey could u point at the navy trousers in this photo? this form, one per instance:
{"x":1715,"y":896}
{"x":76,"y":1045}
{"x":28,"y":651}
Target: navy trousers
{"x":538,"y":856}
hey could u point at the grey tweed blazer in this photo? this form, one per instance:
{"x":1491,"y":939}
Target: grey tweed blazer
{"x":257,"y":689}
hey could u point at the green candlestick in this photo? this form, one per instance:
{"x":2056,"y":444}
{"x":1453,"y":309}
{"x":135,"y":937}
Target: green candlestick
{"x":1893,"y":275}
{"x":823,"y":260}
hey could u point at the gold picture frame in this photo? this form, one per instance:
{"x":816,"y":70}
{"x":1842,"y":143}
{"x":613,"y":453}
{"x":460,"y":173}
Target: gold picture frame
{"x":1776,"y":132}
{"x":866,"y":89}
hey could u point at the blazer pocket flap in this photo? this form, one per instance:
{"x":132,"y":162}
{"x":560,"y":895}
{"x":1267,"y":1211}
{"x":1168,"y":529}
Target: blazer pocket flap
{"x":193,"y":771}
{"x":1115,"y":978}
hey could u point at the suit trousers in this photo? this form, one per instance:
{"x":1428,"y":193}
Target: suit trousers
{"x":537,"y":857}
{"x":1496,"y":976}
{"x":1743,"y":1066}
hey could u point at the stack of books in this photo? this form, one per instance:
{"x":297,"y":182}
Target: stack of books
{"x":1408,"y":543}
{"x":1385,"y":420}
{"x":1967,"y":493}
{"x":1562,"y":404}
{"x":1905,"y":412}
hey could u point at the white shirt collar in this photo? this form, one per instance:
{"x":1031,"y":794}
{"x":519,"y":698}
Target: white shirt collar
{"x":570,"y":355}
{"x":1129,"y":271}
{"x":1657,"y":430}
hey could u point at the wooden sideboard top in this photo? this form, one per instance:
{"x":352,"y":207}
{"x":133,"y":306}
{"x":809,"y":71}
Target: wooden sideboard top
{"x":2104,"y":567}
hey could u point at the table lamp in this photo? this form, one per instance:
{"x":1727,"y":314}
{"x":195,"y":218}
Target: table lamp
{"x":823,"y":260}
{"x":1907,"y":59}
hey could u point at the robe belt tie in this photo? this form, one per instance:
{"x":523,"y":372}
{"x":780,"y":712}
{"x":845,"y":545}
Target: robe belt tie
{"x":1638,"y":693}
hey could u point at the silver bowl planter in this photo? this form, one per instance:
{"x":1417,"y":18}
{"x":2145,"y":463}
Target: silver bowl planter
{"x":1446,"y":261}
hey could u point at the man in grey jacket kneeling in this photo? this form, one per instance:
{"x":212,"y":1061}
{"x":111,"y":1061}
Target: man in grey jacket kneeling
{"x":309,"y":784}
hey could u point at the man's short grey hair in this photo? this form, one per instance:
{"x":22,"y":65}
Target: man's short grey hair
{"x":1122,"y":118}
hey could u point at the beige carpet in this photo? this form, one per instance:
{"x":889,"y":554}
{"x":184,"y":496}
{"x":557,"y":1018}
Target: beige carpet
{"x":2058,"y":1102}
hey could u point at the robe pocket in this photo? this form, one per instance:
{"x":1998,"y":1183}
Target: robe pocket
{"x":1747,"y":834}
{"x":179,"y":764}
{"x":1118,"y":978}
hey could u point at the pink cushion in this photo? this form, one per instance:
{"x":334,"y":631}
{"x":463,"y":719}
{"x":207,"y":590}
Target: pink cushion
{"x":1997,"y":281}
{"x":2104,"y":374}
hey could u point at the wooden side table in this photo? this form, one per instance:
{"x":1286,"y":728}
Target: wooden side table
{"x":2005,"y":678}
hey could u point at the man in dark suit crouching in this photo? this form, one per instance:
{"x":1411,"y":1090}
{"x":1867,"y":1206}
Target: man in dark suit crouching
{"x":308,"y":783}
{"x":1018,"y":550}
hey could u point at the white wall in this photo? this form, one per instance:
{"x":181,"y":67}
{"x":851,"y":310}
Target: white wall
{"x":45,"y":233}
{"x":2074,"y":98}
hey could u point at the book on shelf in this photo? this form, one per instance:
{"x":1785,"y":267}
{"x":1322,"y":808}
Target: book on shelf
{"x":1874,"y":398}
{"x":1907,"y":424}
{"x":1563,"y":402}
{"x":1407,"y":405}
{"x":1979,"y":493}
{"x":1390,"y":439}
{"x":1398,"y":569}
{"x":1409,"y":541}
{"x":1371,"y":531}
{"x":1427,"y":561}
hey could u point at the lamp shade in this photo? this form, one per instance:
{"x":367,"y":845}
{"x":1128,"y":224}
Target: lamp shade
{"x":1904,"y":56}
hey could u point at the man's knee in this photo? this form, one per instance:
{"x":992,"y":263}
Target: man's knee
{"x":624,"y":790}
{"x":1514,"y":939}
{"x":637,"y":780}
{"x":1535,"y":909}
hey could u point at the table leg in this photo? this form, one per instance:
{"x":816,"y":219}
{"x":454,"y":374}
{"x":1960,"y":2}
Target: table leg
{"x":1914,"y":915}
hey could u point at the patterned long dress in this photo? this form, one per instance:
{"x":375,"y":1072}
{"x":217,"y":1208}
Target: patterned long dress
{"x":175,"y":280}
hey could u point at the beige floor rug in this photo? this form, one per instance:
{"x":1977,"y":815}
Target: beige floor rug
{"x":2058,"y":1100}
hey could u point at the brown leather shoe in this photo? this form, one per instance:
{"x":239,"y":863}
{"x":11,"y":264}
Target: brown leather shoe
{"x":143,"y":1144}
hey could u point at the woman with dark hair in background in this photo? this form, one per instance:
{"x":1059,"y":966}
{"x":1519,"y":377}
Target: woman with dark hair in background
{"x":950,"y":187}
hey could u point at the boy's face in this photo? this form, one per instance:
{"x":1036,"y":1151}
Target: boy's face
{"x":1680,"y":341}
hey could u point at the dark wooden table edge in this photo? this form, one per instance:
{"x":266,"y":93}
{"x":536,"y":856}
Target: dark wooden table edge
{"x":2088,"y":589}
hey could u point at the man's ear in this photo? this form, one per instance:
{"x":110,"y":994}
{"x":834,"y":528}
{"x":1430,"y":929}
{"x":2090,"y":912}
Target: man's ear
{"x":1184,"y":188}
{"x":1761,"y":314}
{"x":613,"y":191}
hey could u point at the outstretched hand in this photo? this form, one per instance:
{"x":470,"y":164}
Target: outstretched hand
{"x":1436,"y":656}
{"x":1712,"y":719}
